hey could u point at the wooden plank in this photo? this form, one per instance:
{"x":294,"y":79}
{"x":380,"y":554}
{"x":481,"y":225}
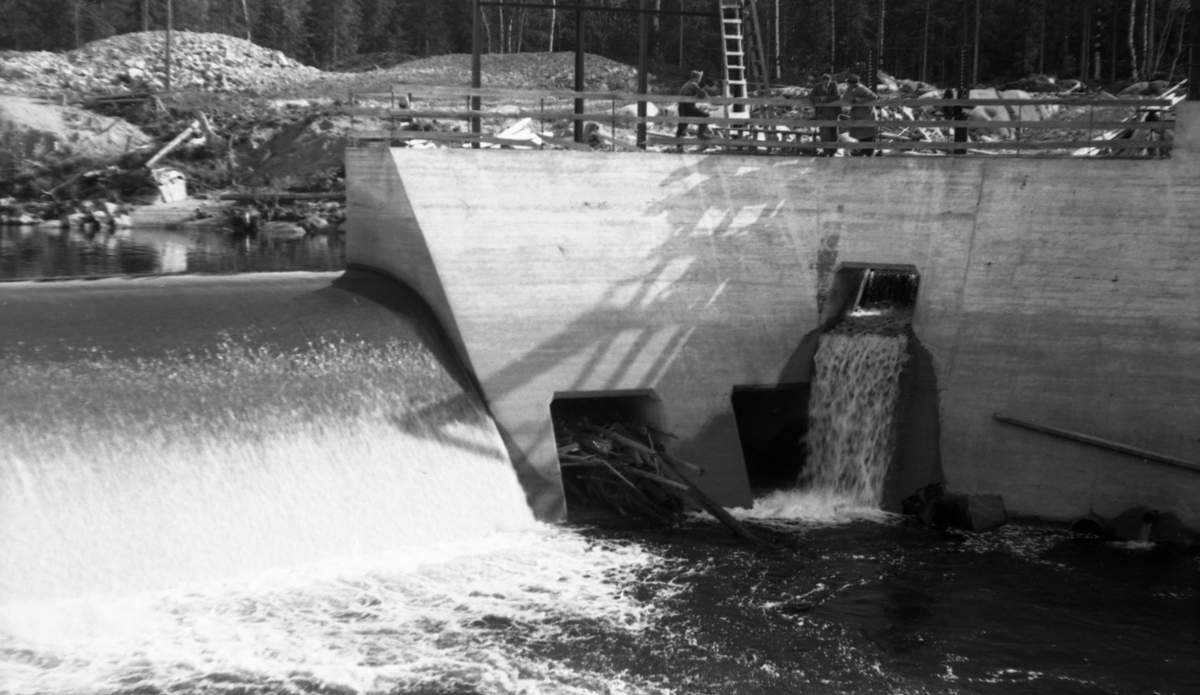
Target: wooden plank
{"x":775,"y":144}
{"x":463,"y":92}
{"x":284,"y":196}
{"x":600,"y":116}
{"x":1001,"y":145}
{"x":439,"y":136}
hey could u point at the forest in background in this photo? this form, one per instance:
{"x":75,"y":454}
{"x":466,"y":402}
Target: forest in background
{"x":1096,"y":41}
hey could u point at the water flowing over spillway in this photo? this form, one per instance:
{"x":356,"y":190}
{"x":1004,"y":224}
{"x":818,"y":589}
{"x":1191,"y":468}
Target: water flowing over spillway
{"x":851,"y":413}
{"x":127,"y":475}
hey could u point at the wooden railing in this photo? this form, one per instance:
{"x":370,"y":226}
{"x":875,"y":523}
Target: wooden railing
{"x":1095,"y":127}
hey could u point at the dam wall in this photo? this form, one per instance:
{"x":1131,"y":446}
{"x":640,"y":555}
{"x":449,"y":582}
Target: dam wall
{"x":1058,"y":290}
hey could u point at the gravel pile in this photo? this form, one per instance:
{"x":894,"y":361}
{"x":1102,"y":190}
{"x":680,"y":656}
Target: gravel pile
{"x":136,"y":62}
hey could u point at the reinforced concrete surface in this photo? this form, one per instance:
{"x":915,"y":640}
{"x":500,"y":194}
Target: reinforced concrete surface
{"x":1062,"y":291}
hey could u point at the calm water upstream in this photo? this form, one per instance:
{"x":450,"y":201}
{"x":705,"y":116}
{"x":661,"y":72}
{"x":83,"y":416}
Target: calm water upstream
{"x":28,"y":253}
{"x":434,"y":579}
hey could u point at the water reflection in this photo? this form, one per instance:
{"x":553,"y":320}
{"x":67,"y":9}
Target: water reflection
{"x":30,"y":253}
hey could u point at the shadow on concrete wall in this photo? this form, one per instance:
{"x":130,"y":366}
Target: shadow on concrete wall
{"x":430,"y":419}
{"x":916,"y":458}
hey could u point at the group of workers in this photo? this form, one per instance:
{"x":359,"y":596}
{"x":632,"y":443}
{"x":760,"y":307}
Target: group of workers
{"x":826,"y":96}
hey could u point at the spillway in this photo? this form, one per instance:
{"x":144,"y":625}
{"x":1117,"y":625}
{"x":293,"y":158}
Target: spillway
{"x":164,"y":431}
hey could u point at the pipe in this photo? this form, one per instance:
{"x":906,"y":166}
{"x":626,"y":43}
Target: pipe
{"x":1104,"y":443}
{"x":1093,"y":525}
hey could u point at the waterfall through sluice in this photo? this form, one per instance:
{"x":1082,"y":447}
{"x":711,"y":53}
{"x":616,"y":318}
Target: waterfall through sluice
{"x":852,"y":408}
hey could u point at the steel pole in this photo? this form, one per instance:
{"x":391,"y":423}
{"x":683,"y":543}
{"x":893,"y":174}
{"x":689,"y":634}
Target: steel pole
{"x":476,"y":67}
{"x":579,"y":72}
{"x":643,"y":80}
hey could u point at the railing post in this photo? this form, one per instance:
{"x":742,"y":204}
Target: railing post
{"x":476,"y":68}
{"x":1193,"y":26}
{"x":643,"y":60}
{"x":579,"y":73}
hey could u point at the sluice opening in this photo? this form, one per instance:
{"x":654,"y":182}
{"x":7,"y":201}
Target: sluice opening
{"x":772,"y":423}
{"x":854,"y":406}
{"x":593,"y":482}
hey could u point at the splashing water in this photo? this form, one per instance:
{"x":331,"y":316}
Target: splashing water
{"x":851,"y":412}
{"x":467,"y":617}
{"x":130,"y":475}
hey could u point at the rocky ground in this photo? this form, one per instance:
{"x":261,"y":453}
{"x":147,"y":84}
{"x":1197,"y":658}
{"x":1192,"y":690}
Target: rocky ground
{"x":78,"y":129}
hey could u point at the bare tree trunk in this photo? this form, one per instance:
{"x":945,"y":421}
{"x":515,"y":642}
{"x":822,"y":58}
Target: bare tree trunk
{"x":832,"y":34}
{"x":778,"y":48}
{"x":975,"y":59}
{"x":925,"y":44}
{"x":1042,"y":50}
{"x":1160,"y":44}
{"x":502,"y":27}
{"x":1183,"y":19}
{"x":145,"y":15}
{"x":1147,"y":38}
{"x":553,"y":20}
{"x":487,"y":29}
{"x":879,"y":41}
{"x":520,"y":29}
{"x":246,"y":16}
{"x":1135,"y":73}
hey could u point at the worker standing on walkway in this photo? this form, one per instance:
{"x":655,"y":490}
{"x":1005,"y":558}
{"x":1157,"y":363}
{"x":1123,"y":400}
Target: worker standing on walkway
{"x":827,"y":91}
{"x":692,"y":88}
{"x":862,"y":108}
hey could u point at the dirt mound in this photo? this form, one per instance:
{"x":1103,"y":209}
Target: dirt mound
{"x":132,"y":62}
{"x":365,"y":62}
{"x":35,"y":131}
{"x":502,"y":71}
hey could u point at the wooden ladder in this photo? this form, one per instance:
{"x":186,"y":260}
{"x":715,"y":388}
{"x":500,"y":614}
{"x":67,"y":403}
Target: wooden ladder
{"x":745,"y":58}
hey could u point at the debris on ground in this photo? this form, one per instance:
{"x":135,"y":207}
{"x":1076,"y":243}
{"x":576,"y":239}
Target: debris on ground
{"x":83,"y":125}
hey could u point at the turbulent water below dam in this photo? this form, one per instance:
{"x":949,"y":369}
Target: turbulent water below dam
{"x":255,"y":521}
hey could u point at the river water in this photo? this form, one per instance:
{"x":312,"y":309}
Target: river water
{"x":403,"y":559}
{"x":28,"y":253}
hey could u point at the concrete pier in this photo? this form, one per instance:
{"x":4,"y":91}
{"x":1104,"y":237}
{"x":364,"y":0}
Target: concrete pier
{"x":1063,"y":291}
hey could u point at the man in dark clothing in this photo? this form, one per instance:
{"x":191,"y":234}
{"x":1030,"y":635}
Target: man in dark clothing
{"x":693,"y":89}
{"x":826,"y":92}
{"x":862,"y":109}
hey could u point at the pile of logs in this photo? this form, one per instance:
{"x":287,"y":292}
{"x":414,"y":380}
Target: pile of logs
{"x":624,"y":465}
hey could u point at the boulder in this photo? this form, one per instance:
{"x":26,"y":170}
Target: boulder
{"x":35,"y":130}
{"x":975,"y":513}
{"x":935,"y":507}
{"x":1036,"y":112}
{"x":988,"y":114}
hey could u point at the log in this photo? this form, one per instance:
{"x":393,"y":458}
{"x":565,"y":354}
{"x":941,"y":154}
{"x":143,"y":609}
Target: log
{"x":694,"y":493}
{"x":710,"y":506}
{"x":173,"y":144}
{"x":280,"y":197}
{"x":651,"y":507}
{"x":656,"y":478}
{"x":638,"y":446}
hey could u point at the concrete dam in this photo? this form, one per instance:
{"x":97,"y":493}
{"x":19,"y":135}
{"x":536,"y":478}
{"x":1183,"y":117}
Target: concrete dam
{"x":1058,"y":291}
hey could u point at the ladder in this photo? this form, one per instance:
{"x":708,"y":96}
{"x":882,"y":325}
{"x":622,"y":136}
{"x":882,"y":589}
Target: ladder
{"x":742,"y":46}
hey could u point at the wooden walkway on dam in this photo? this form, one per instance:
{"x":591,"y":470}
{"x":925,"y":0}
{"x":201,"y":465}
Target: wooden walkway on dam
{"x":1070,"y":126}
